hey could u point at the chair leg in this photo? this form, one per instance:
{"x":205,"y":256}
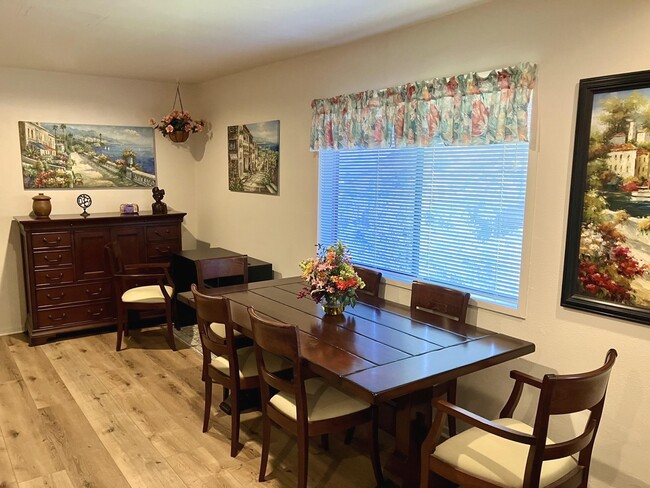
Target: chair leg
{"x":120,"y":327}
{"x":266,"y":441}
{"x":208,"y":403}
{"x":234,"y":423}
{"x":170,"y":329}
{"x":374,"y":446}
{"x":451,"y":398}
{"x":303,"y":456}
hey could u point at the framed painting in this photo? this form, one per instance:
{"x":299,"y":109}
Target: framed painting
{"x":607,"y":255}
{"x":254,"y":157}
{"x":59,"y":155}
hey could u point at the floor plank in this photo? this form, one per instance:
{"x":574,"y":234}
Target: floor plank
{"x":80,"y":414}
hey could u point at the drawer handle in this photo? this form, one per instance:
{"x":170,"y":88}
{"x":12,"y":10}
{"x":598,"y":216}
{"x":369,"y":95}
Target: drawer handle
{"x":51,"y":243}
{"x":163,"y":250}
{"x":58,"y":258}
{"x":55,"y":299}
{"x":94,"y":293}
{"x":159,"y":234}
{"x":95,"y":314}
{"x":54,"y":278}
{"x":57,"y":319}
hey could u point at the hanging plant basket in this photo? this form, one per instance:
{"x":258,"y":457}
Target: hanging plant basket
{"x":178,"y":125}
{"x":178,"y":136}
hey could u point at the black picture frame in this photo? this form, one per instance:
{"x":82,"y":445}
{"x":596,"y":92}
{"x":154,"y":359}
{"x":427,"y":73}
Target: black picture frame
{"x":590,"y":283}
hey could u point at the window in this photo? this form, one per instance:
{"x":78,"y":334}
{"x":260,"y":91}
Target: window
{"x":453,"y":215}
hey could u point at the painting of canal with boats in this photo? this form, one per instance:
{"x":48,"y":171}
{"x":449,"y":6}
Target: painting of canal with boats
{"x":614,"y":251}
{"x":58,"y":155}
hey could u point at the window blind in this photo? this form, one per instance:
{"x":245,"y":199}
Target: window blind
{"x":453,"y":215}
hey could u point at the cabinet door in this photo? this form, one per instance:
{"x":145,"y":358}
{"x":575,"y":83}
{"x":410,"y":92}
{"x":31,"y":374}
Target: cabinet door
{"x":90,"y":260}
{"x":131,"y":241}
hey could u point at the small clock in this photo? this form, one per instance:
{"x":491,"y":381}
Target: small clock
{"x":84,"y":201}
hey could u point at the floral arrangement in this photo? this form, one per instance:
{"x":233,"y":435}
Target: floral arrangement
{"x":330,"y":276}
{"x":178,"y":120}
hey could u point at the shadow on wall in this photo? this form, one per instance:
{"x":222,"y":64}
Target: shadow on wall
{"x":12,"y":284}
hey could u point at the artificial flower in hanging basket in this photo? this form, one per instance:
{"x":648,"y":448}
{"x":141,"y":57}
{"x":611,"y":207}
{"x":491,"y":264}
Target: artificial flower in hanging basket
{"x":178,"y":125}
{"x":331,"y":279}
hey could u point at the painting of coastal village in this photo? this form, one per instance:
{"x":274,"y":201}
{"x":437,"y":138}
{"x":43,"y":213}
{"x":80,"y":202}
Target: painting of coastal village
{"x":254,"y":157}
{"x":614,"y":255}
{"x":58,"y":155}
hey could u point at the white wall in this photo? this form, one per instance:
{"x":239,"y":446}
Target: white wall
{"x":569,"y":41}
{"x":71,"y":99}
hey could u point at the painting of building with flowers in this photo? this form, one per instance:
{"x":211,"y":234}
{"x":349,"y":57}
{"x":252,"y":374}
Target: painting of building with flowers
{"x":59,"y":155}
{"x":609,"y":261}
{"x":254,"y":157}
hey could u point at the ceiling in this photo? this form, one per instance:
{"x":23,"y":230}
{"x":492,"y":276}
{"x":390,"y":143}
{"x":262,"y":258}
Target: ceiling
{"x":191,"y":40}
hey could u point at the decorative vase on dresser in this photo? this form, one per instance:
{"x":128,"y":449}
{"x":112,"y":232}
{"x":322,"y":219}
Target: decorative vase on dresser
{"x":68,"y":282}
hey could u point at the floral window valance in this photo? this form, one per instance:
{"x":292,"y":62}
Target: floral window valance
{"x":461,"y":110}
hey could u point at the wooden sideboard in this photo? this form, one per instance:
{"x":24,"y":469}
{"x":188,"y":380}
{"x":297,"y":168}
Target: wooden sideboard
{"x":68,"y":282}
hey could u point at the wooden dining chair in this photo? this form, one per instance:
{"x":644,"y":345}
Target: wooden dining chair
{"x":223,"y":363}
{"x":451,"y":304}
{"x":140,"y":287}
{"x":209,"y":270}
{"x":371,"y":278}
{"x":304,"y":404}
{"x":507,"y":452}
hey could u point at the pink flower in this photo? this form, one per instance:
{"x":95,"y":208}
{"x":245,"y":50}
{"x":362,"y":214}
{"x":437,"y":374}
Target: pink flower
{"x":169,"y":129}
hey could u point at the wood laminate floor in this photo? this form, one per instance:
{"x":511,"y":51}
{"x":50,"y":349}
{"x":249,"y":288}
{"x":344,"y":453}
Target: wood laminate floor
{"x":76,"y":413}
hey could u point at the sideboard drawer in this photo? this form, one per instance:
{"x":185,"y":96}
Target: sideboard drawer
{"x":163,"y":233}
{"x":63,"y":295}
{"x":162,"y":249}
{"x":52,"y":258}
{"x":91,"y":312}
{"x":54,"y":276}
{"x":51,"y":239}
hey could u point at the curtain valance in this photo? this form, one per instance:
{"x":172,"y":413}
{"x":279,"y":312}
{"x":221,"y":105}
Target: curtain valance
{"x":462,"y":110}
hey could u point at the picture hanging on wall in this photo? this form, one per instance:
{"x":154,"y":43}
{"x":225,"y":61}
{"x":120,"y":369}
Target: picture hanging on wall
{"x":254,"y":157}
{"x":607,"y":256}
{"x":59,"y":155}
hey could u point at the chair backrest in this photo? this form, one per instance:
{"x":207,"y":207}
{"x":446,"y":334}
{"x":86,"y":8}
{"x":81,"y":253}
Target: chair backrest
{"x":216,"y":309}
{"x":113,"y":253}
{"x":213,"y":268}
{"x":564,"y":394}
{"x":371,"y":278}
{"x":439,"y":300}
{"x":283,"y":340}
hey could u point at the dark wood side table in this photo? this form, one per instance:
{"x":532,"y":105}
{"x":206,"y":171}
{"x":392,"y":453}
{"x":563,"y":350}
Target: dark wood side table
{"x":183,"y":269}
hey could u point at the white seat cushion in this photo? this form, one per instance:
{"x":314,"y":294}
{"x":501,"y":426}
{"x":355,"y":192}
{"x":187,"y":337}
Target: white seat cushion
{"x":220,"y":330}
{"x":247,"y":364}
{"x":323,"y":402}
{"x":146,"y":294}
{"x":498,"y":460}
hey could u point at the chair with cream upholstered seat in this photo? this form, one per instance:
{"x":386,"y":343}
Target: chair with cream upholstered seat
{"x":509,"y":453}
{"x":233,"y":368}
{"x":304,"y":404}
{"x":210,"y":271}
{"x":451,"y":304}
{"x":141,"y":287}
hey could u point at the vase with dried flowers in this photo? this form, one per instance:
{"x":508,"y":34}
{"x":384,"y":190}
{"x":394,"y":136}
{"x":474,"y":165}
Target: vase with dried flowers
{"x":178,"y":124}
{"x":331,"y":279}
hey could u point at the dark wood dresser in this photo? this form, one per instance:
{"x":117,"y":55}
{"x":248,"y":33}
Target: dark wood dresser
{"x":68,"y":282}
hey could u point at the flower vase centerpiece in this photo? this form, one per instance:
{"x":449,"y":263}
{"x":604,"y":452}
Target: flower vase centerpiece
{"x":178,"y":124}
{"x":331,"y":279}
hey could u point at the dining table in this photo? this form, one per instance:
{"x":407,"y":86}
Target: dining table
{"x":380,"y":351}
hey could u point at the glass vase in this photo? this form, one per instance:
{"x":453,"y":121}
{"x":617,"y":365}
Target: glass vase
{"x":333,"y":306}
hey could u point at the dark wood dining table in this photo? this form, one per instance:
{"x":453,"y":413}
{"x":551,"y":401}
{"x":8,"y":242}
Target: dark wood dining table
{"x":378,"y":350}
